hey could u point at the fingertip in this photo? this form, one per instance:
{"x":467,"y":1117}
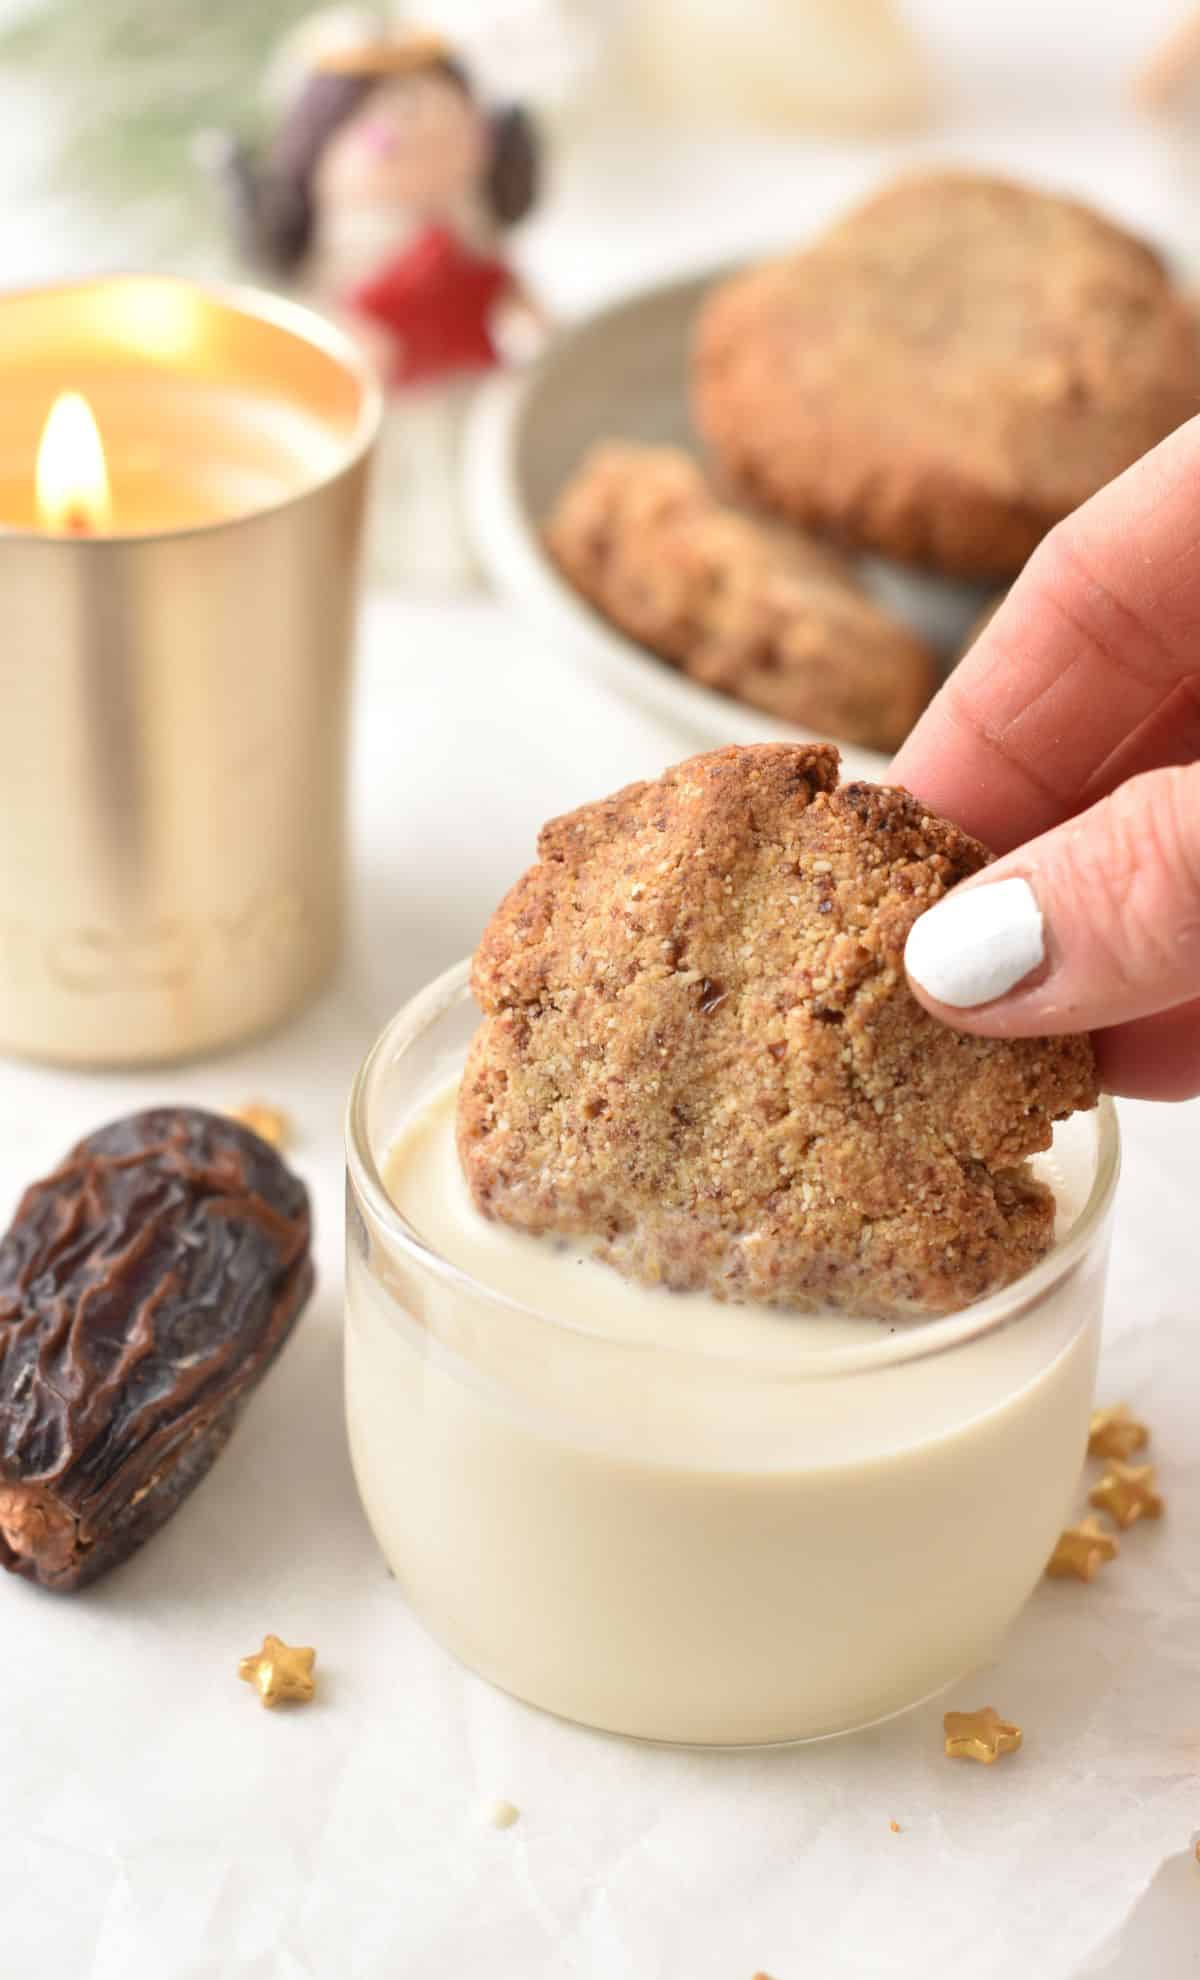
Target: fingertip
{"x":954,"y":1020}
{"x":991,"y":1020}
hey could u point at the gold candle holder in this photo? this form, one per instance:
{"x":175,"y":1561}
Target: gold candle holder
{"x":174,"y":675}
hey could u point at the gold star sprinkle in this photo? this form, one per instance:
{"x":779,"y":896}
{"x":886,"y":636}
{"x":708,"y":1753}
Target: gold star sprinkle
{"x":1127,"y":1492}
{"x":270,"y":1124}
{"x":1116,"y":1433}
{"x":1081,"y":1550}
{"x":981,"y":1735}
{"x":279,"y":1673}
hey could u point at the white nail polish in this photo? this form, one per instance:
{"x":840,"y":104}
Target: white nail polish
{"x":975,"y":945}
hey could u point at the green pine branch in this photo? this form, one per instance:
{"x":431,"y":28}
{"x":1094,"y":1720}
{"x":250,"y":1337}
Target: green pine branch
{"x":135,"y":80}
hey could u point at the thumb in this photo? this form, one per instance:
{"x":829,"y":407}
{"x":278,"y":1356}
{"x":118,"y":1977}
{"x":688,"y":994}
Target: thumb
{"x":1094,"y":924}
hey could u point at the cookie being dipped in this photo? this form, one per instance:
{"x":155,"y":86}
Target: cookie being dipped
{"x":750,"y":607}
{"x":947,"y":372}
{"x":699,"y":1050}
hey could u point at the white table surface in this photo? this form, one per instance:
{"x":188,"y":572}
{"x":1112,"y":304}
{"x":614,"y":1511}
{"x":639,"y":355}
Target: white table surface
{"x":154,"y":1822}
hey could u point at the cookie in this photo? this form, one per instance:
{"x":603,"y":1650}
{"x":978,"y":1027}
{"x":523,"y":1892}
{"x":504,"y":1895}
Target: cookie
{"x":947,"y":372}
{"x":749,"y":607}
{"x":699,"y":1049}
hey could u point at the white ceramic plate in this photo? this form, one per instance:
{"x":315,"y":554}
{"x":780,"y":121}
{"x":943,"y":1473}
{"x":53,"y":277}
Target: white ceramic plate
{"x":622,"y":374}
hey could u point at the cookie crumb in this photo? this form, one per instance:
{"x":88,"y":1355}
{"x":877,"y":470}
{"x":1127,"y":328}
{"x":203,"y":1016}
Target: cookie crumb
{"x":895,"y":1828}
{"x":503,"y":1814}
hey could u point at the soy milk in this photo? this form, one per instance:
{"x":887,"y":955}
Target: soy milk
{"x":688,"y":1520}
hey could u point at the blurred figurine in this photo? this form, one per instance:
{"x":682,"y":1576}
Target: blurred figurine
{"x":383,"y":197}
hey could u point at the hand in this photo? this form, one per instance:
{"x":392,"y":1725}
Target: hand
{"x":1067,"y":740}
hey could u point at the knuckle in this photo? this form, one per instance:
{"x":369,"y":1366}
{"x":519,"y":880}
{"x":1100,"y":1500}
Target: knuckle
{"x":1063,"y":567}
{"x":1109,"y":618}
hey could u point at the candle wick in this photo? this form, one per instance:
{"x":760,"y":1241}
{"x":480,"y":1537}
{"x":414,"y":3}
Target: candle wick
{"x":76,"y":522}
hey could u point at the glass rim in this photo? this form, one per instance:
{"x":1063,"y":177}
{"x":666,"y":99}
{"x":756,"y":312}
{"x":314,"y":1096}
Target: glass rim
{"x":284,"y":314}
{"x":917,"y":1342}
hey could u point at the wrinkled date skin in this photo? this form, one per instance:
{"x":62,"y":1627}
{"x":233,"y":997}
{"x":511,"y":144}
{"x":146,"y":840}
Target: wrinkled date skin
{"x":145,"y":1288}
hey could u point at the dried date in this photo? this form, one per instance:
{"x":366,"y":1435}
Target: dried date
{"x":145,"y":1288}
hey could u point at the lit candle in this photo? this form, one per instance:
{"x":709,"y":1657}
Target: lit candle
{"x":71,"y":476}
{"x":200,"y":411}
{"x":182,"y":478}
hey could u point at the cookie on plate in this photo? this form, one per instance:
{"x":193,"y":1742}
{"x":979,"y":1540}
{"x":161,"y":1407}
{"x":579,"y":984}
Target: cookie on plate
{"x":699,"y":1048}
{"x":952,"y":368}
{"x":750,"y":607}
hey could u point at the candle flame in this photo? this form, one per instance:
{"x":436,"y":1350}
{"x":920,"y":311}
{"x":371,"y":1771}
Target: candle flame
{"x":73,"y":495}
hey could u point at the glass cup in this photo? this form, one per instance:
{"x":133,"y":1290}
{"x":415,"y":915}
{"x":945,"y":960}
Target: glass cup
{"x":697,"y":1546}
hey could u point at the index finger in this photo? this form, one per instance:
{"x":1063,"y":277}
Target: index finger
{"x":1090,"y":669}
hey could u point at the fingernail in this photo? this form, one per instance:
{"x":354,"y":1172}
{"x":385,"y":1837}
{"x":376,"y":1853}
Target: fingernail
{"x":976,"y":944}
